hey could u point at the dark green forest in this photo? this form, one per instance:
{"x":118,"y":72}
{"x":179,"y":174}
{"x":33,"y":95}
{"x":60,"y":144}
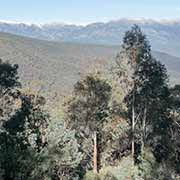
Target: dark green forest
{"x":122,"y":125}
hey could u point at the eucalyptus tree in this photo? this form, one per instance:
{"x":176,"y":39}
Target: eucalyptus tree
{"x":87,"y":110}
{"x":144,"y":80}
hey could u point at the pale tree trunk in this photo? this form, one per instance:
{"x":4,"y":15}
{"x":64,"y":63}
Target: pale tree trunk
{"x":134,"y":56}
{"x":133,"y":129}
{"x":143,"y":129}
{"x":95,"y":170}
{"x":43,"y":140}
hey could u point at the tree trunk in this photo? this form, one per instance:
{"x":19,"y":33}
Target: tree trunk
{"x":95,"y":170}
{"x":143,"y":129}
{"x":133,"y":127}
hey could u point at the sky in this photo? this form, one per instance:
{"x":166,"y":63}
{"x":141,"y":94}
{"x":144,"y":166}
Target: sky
{"x":86,"y":11}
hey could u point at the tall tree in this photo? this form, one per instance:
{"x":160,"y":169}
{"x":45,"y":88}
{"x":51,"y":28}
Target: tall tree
{"x":88,"y":109}
{"x":145,"y":81}
{"x":127,"y":61}
{"x":175,"y":128}
{"x":23,"y":120}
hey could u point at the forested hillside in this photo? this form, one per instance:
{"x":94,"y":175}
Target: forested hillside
{"x":120,"y":120}
{"x":57,"y":66}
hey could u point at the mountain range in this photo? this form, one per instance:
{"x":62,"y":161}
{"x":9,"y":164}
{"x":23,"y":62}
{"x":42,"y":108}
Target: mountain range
{"x":163,"y":35}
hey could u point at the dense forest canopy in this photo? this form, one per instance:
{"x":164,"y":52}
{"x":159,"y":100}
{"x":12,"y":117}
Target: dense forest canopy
{"x":124,"y":125}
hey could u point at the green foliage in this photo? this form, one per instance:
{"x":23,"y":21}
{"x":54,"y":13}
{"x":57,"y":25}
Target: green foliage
{"x":118,"y":172}
{"x":101,"y":176}
{"x":175,"y":128}
{"x":22,"y":117}
{"x":61,"y":158}
{"x":165,"y":171}
{"x":91,"y":176}
{"x":8,"y":75}
{"x":87,"y":110}
{"x":146,"y":92}
{"x":147,"y":167}
{"x":37,"y":119}
{"x":109,"y":176}
{"x":9,"y":82}
{"x":115,"y":140}
{"x":16,"y":160}
{"x":89,"y":106}
{"x":22,"y":139}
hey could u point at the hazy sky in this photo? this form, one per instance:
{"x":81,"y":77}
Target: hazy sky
{"x":86,"y":11}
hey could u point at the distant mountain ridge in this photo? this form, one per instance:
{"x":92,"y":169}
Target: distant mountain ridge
{"x":163,"y":35}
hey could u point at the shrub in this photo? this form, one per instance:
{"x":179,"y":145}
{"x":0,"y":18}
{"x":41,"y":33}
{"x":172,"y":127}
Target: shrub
{"x":91,"y":176}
